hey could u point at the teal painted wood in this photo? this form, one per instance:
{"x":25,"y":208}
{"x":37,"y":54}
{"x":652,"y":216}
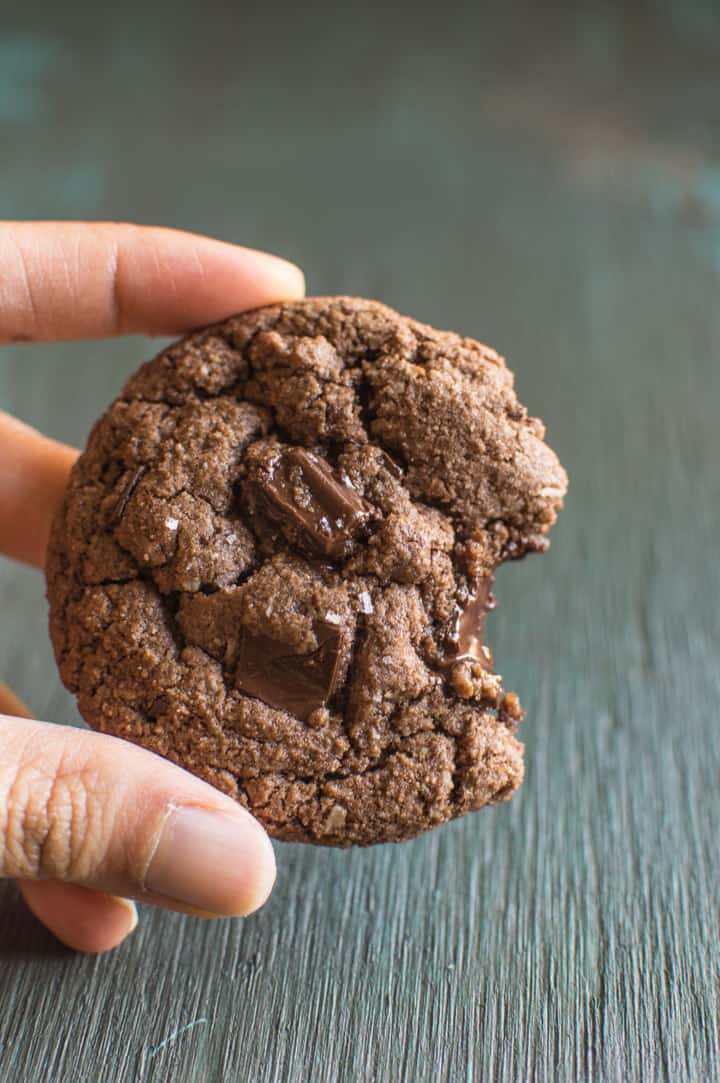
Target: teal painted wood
{"x":550,"y":184}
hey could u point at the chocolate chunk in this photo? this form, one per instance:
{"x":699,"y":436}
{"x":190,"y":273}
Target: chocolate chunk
{"x":119,"y":509}
{"x":465,"y":641}
{"x":316,"y":511}
{"x":391,"y":465}
{"x":298,"y":683}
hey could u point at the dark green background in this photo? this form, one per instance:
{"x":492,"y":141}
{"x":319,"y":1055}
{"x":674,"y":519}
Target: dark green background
{"x":543,"y":177}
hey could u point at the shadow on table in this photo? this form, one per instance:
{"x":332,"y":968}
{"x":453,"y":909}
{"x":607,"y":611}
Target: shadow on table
{"x":21,"y":934}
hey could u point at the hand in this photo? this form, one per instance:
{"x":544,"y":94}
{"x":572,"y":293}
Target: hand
{"x":87,"y":820}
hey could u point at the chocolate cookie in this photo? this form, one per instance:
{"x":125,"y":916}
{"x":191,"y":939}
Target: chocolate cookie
{"x":274,"y":560}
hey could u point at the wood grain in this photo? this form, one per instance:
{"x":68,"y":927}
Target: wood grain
{"x":545,"y":182}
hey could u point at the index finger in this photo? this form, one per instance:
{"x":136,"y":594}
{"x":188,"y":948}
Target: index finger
{"x":72,"y":280}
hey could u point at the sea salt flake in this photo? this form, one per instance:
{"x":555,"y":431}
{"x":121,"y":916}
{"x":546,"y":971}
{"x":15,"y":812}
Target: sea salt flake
{"x":366,"y":605}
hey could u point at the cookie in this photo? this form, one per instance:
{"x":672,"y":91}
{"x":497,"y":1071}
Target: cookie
{"x":274,"y":560}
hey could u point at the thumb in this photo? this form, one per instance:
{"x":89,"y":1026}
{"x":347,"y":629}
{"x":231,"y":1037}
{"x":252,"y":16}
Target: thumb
{"x":102,"y":813}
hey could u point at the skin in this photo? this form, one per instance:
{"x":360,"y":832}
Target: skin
{"x":81,"y":813}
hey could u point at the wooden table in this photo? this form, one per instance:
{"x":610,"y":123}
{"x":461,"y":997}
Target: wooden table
{"x":549,"y":183}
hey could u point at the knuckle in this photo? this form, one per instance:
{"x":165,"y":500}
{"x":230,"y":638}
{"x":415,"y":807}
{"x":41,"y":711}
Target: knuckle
{"x":52,"y":823}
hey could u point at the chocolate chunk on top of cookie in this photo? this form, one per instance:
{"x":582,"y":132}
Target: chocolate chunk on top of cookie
{"x":297,"y":491}
{"x":275,"y":558}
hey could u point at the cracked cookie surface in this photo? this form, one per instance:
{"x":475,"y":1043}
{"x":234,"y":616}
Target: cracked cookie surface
{"x":274,"y":559}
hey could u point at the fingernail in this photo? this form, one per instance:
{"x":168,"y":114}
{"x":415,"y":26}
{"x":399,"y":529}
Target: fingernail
{"x":222,"y":863}
{"x":293,"y":279}
{"x":132,"y":914}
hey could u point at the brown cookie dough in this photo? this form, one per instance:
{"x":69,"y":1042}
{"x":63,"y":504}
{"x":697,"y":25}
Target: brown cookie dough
{"x":274,"y":559}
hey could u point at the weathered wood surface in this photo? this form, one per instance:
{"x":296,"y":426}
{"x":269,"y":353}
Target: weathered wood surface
{"x":548,"y":182}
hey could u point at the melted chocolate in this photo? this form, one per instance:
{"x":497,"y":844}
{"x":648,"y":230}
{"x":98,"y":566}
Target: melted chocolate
{"x":465,"y":640}
{"x":297,"y":683}
{"x":316,"y":511}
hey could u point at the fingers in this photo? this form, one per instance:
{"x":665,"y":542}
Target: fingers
{"x":10,"y":704}
{"x":83,"y":919}
{"x":96,"y":811}
{"x":32,"y":482}
{"x":72,"y":280}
